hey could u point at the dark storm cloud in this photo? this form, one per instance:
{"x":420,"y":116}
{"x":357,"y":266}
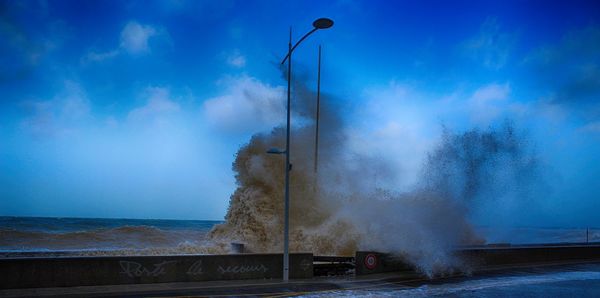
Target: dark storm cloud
{"x":22,"y":47}
{"x":570,"y":70}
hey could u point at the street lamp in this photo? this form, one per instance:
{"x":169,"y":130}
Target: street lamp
{"x":317,"y":116}
{"x":322,"y":23}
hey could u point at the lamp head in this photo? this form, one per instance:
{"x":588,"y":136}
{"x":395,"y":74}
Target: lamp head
{"x":323,"y":23}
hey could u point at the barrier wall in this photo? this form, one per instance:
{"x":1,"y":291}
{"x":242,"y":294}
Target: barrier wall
{"x":374,"y":262}
{"x":486,"y":256}
{"x":81,"y":271}
{"x":496,"y":256}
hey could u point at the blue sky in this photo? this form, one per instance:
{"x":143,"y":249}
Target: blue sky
{"x":136,"y":108}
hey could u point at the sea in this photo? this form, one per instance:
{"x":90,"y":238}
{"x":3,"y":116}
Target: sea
{"x":108,"y":236}
{"x":102,"y":236}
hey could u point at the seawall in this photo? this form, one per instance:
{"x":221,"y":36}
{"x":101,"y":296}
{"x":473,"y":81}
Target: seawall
{"x":481,"y":257}
{"x":86,"y":271}
{"x":38,"y":272}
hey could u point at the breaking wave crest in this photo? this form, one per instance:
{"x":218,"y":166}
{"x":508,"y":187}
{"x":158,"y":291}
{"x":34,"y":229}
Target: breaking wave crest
{"x":341,"y":208}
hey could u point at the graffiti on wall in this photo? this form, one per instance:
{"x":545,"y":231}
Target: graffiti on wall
{"x":195,"y":268}
{"x":135,"y":269}
{"x":242,"y":269}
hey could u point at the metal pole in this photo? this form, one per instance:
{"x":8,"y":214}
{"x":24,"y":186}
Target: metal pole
{"x":286,"y":225}
{"x":318,"y":110}
{"x":322,"y":23}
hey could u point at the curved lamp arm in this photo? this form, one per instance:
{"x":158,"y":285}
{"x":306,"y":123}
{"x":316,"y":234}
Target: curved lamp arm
{"x":297,"y":43}
{"x":322,"y":23}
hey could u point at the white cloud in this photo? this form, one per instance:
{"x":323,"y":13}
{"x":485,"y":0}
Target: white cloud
{"x":491,"y":92}
{"x":396,"y":123}
{"x":247,"y":105}
{"x":236,"y":60}
{"x":158,"y":105}
{"x":111,"y":122}
{"x":135,"y":36}
{"x":138,"y":160}
{"x":395,"y":101}
{"x":134,"y":39}
{"x":491,"y":47}
{"x":60,"y":115}
{"x":593,"y":127}
{"x":489,"y":102}
{"x":93,"y":56}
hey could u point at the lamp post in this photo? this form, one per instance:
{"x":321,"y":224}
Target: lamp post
{"x":322,"y":23}
{"x":316,"y":169}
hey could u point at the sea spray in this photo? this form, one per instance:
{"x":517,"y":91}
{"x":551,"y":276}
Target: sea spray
{"x":341,"y":208}
{"x":480,"y":164}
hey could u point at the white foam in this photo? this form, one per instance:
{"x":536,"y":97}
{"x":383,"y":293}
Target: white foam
{"x":473,"y":285}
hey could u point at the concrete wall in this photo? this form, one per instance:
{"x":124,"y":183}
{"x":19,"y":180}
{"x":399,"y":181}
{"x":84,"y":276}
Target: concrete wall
{"x":80,"y":271}
{"x":495,"y":256}
{"x":383,"y":263}
{"x":486,"y":256}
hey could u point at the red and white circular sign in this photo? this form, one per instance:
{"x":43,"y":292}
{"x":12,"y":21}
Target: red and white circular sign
{"x":371,"y":261}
